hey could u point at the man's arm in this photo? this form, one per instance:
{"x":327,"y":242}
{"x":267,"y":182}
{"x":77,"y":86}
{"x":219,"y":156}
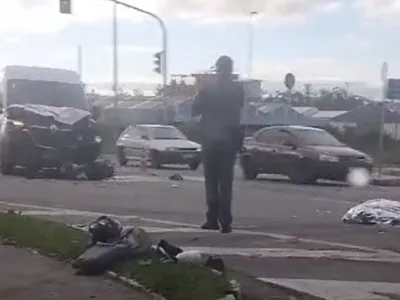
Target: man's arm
{"x":197,"y":108}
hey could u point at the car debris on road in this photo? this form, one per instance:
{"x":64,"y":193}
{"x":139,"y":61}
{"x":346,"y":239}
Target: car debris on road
{"x":374,"y":212}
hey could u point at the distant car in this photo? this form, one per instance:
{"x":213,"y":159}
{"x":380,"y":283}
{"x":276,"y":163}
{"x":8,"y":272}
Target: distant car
{"x":304,"y":154}
{"x":160,"y":144}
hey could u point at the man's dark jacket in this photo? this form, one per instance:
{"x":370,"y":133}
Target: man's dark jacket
{"x":219,"y":105}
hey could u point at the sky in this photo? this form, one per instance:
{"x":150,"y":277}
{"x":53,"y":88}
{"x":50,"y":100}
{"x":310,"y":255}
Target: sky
{"x":340,"y":40}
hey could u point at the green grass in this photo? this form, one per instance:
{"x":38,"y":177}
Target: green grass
{"x":173,"y":281}
{"x":49,"y":238}
{"x":178,"y":281}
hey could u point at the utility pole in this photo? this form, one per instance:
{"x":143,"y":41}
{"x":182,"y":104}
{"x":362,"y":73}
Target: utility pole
{"x":115,"y":54}
{"x":164,"y":64}
{"x":79,"y":61}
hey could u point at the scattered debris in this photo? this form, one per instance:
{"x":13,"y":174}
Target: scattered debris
{"x":176,"y":176}
{"x":374,"y":212}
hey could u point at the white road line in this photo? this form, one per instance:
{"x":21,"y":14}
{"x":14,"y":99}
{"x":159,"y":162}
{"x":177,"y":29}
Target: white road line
{"x":72,"y":212}
{"x":149,"y":178}
{"x":297,"y":253}
{"x":339,"y":290}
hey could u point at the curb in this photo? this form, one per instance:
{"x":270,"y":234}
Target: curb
{"x":141,"y":288}
{"x":386,"y":181}
{"x":134,"y":284}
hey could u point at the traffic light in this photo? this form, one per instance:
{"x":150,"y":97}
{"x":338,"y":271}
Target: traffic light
{"x":158,"y":61}
{"x":65,"y":7}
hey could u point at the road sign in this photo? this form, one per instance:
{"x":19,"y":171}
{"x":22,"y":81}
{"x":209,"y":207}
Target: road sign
{"x":66,"y":7}
{"x":290,"y":80}
{"x":393,"y":89}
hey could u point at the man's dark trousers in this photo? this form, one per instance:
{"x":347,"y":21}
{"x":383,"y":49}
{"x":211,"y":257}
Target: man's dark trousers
{"x":218,"y":163}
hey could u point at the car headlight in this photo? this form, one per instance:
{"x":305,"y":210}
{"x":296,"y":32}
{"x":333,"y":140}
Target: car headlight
{"x":330,"y":158}
{"x":171,"y":149}
{"x":16,"y":123}
{"x":198,"y":149}
{"x":98,"y":139}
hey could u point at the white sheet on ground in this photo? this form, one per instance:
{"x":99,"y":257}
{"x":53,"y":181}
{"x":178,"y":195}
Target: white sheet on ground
{"x":375,"y":211}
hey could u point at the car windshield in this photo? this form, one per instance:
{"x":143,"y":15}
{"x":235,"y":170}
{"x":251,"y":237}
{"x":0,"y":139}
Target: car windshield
{"x":317,"y":138}
{"x":167,"y":133}
{"x":20,"y":91}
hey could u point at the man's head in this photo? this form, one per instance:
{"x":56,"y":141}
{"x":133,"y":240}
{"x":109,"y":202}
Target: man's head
{"x":224,"y":65}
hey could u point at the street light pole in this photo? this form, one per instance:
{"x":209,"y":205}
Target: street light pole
{"x":163,"y":27}
{"x":249,"y":68}
{"x":115,"y":54}
{"x":251,"y":44}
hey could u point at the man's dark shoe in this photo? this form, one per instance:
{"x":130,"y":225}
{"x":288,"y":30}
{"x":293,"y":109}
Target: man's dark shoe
{"x":210,"y":226}
{"x":226,"y":229}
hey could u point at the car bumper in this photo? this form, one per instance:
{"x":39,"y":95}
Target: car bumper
{"x":26,"y":152}
{"x":179,"y":157}
{"x":337,"y":170}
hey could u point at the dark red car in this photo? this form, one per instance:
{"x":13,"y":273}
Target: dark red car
{"x":305,"y":154}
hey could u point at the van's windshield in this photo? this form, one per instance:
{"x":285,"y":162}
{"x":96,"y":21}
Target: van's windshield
{"x":22,"y":91}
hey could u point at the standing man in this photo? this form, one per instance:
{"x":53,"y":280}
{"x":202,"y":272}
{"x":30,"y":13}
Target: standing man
{"x":219,"y":104}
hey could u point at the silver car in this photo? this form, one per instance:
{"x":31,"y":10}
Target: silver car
{"x":158,"y":144}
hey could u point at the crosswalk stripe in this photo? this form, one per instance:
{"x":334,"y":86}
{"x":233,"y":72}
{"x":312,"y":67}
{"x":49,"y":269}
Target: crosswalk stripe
{"x":343,"y":290}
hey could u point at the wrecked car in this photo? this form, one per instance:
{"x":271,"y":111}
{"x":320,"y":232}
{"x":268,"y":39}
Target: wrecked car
{"x":46,"y":122}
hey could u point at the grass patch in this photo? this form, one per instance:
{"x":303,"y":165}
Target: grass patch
{"x":173,"y":281}
{"x":49,"y":238}
{"x":178,"y":281}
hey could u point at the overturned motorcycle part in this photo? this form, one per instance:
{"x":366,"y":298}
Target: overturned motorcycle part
{"x":99,"y":170}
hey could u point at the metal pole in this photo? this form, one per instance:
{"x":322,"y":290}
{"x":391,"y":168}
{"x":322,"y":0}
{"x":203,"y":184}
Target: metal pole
{"x":381,"y":135}
{"x":164,"y":62}
{"x":115,"y":54}
{"x":249,"y":68}
{"x":384,"y":75}
{"x":251,"y":45}
{"x":79,"y":61}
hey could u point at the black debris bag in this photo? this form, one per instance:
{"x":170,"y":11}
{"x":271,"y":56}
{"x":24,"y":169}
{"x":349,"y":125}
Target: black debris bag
{"x":101,"y":169}
{"x":105,"y":230}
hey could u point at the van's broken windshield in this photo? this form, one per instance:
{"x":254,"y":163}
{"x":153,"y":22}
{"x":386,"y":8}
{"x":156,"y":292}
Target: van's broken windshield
{"x":21,"y":91}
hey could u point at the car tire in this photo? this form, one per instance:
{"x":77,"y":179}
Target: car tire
{"x":6,"y":166}
{"x":122,"y":160}
{"x":194,"y":166}
{"x":249,"y":173}
{"x":155,"y":160}
{"x":303,"y":173}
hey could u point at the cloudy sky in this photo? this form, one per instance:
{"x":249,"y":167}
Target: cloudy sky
{"x":316,"y":39}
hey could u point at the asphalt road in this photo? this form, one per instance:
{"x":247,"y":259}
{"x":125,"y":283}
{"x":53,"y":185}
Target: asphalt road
{"x":270,"y":213}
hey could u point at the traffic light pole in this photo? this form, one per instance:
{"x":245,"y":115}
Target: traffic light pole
{"x":164,"y":65}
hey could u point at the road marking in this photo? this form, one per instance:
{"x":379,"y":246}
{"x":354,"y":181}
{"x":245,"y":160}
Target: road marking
{"x":296,"y":253}
{"x":72,"y":212}
{"x":149,"y":178}
{"x":343,"y":290}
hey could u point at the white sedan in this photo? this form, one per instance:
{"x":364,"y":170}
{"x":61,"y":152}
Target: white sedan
{"x":159,"y":144}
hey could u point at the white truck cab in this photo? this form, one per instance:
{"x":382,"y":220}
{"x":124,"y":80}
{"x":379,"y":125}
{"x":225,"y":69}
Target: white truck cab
{"x":44,"y":86}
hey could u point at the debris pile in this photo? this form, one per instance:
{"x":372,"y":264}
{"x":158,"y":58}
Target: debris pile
{"x":374,"y":212}
{"x":112,"y":244}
